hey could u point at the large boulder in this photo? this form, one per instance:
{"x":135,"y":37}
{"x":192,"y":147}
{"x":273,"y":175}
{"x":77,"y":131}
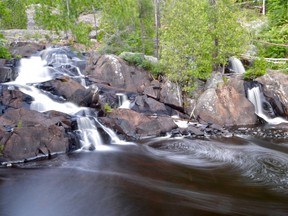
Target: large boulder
{"x":8,"y":70}
{"x":115,"y":72}
{"x":133,"y":125}
{"x":25,"y":49}
{"x":171,"y":94}
{"x":27,"y":134}
{"x":12,"y":98}
{"x":150,"y":106}
{"x":72,"y":91}
{"x":226,"y":106}
{"x":275,"y":88}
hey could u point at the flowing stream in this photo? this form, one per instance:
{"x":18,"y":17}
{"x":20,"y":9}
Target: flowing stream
{"x":162,"y":176}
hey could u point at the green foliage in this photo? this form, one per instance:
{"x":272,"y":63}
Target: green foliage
{"x":276,"y":32}
{"x":140,"y":61}
{"x":107,"y":108}
{"x":279,"y":66}
{"x":62,"y":15}
{"x":197,"y":37}
{"x":258,"y":69}
{"x":19,"y":124}
{"x":1,"y":149}
{"x":128,"y":26}
{"x":4,"y":53}
{"x":278,"y":12}
{"x":13,"y":14}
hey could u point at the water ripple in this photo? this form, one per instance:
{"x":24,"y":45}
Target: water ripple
{"x":264,"y":166}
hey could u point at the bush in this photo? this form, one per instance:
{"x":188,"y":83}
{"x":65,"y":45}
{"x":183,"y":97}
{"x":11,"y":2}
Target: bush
{"x":258,"y":69}
{"x":4,"y":53}
{"x":140,"y":61}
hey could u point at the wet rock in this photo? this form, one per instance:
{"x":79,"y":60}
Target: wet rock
{"x":226,"y":107}
{"x":195,"y":131}
{"x":11,"y":97}
{"x":8,"y":70}
{"x":134,"y":126}
{"x":150,"y":106}
{"x":117,"y":73}
{"x":72,"y":91}
{"x":275,"y":88}
{"x":34,"y":134}
{"x":6,"y":74}
{"x":25,"y":49}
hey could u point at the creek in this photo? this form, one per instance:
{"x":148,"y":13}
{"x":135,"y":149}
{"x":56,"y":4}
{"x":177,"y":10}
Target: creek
{"x":237,"y":175}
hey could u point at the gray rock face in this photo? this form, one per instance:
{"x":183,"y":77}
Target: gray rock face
{"x":72,"y":91}
{"x":28,"y":134}
{"x":134,"y":125}
{"x":225,"y":106}
{"x":275,"y":88}
{"x":117,"y":73}
{"x":25,"y":49}
{"x":171,"y":94}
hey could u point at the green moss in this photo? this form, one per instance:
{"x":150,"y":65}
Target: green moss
{"x":107,"y":108}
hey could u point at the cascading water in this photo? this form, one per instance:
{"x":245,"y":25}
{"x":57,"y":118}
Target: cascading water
{"x":123,"y":101}
{"x":235,"y":65}
{"x":257,"y":98}
{"x":53,"y":63}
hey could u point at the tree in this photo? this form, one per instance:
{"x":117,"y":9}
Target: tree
{"x":13,"y":14}
{"x":272,"y":42}
{"x":199,"y":36}
{"x":62,"y":15}
{"x":128,"y":26}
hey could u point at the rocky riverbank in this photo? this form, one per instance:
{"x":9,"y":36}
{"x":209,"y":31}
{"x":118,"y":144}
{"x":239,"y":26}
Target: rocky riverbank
{"x":157,"y":107}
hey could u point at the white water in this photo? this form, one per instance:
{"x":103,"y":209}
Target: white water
{"x":236,"y":65}
{"x":36,"y":70}
{"x":254,"y":95}
{"x":123,"y":101}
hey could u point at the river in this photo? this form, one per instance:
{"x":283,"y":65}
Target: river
{"x":228,"y":176}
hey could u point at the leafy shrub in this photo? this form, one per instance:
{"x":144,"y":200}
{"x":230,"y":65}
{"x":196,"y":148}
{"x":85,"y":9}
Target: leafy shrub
{"x":258,"y":69}
{"x":140,"y":61}
{"x":4,"y":53}
{"x":107,"y":108}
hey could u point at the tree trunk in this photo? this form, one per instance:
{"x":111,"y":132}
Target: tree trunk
{"x":157,"y":25}
{"x":142,"y":26}
{"x":95,"y":19}
{"x":264,"y":7}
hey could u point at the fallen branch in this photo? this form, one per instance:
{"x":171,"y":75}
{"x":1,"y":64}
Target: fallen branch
{"x":273,"y":44}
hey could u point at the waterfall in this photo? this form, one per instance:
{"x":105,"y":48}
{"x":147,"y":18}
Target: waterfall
{"x":123,"y":101}
{"x":235,"y":65}
{"x":59,"y":62}
{"x":257,"y":99}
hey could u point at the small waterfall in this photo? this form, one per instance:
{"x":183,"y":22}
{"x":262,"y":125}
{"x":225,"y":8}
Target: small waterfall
{"x":257,"y":98}
{"x":123,"y":101}
{"x":52,"y":63}
{"x":89,"y":135}
{"x":235,"y":65}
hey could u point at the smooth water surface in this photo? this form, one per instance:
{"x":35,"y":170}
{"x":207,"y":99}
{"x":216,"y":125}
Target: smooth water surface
{"x":231,"y":176}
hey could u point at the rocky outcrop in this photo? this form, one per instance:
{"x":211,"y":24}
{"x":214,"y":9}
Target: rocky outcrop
{"x":226,"y":105}
{"x":8,"y":70}
{"x":115,"y":72}
{"x":28,"y":134}
{"x":72,"y":91}
{"x":134,"y":126}
{"x":25,"y":49}
{"x":171,"y":94}
{"x":275,"y":89}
